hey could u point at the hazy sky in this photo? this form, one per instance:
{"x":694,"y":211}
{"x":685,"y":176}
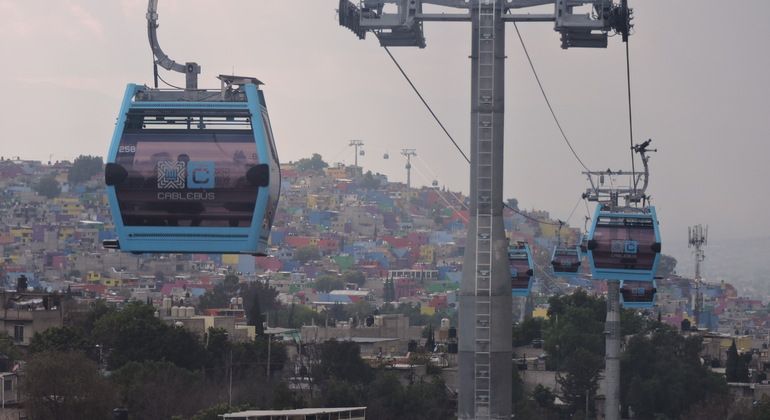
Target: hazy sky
{"x":700,"y":77}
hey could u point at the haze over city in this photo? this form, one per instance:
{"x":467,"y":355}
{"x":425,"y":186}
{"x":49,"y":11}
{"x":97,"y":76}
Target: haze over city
{"x":699,"y":89}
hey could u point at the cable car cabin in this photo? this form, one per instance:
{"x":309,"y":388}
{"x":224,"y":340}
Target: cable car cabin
{"x":193,"y":171}
{"x":565,"y":260}
{"x":638,"y":293}
{"x":520,"y":265}
{"x":624,"y":245}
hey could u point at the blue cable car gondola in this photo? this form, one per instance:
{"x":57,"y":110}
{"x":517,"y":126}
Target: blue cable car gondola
{"x":638,"y":294}
{"x":521,"y":267}
{"x":624,"y":244}
{"x":193,"y":171}
{"x":565,"y":260}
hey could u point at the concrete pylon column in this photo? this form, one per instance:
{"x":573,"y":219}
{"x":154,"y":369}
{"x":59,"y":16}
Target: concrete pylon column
{"x":612,"y":352}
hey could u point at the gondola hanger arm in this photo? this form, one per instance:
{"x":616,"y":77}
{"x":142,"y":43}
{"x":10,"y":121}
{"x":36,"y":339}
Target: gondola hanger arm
{"x":189,"y":69}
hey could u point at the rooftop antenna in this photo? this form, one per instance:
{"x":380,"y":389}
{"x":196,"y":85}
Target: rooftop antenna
{"x":485,"y":295}
{"x":697,"y":238}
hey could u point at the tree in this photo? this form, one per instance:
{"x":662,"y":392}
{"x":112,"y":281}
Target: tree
{"x":306,"y":254}
{"x":661,"y":375}
{"x":48,"y":187}
{"x":574,"y":322}
{"x":581,"y":381}
{"x":667,"y":266}
{"x":385,"y":397}
{"x":685,"y":325}
{"x":356,"y":277}
{"x":737,"y":365}
{"x":528,"y":330}
{"x":369,"y":182}
{"x":254,"y":315}
{"x":327,"y":283}
{"x":513,"y":203}
{"x":543,"y":396}
{"x":315,"y":163}
{"x":156,"y":390}
{"x":8,"y":348}
{"x":359,"y":310}
{"x":135,"y":334}
{"x":342,"y":360}
{"x":64,"y":386}
{"x":62,"y":339}
{"x":84,"y":168}
{"x":761,"y":411}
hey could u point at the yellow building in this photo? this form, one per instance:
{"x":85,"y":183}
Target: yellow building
{"x":337,"y":173}
{"x":230,"y":259}
{"x":427,"y":253}
{"x":66,"y":232}
{"x":316,"y":201}
{"x":540,"y":312}
{"x":93,"y":276}
{"x":21,"y":234}
{"x":112,"y":282}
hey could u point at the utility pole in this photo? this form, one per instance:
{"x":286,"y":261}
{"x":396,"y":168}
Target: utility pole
{"x":697,"y":237}
{"x":408,"y":153}
{"x":356,"y":144}
{"x":485,"y":347}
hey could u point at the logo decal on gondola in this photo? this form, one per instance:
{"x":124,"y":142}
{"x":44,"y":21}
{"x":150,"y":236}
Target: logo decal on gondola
{"x":172,"y":175}
{"x":624,"y":247}
{"x":200,"y":174}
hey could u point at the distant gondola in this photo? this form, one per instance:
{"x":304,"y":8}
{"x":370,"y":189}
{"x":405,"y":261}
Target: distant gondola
{"x":565,"y":260}
{"x":193,"y":170}
{"x":638,"y":293}
{"x":521,"y":268}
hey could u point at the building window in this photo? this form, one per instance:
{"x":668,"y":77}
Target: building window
{"x":18,"y":332}
{"x":8,"y":384}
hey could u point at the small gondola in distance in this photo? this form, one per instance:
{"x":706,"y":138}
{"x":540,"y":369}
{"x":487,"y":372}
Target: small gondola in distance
{"x":638,"y":294}
{"x":521,"y":268}
{"x":565,"y":260}
{"x":193,"y":171}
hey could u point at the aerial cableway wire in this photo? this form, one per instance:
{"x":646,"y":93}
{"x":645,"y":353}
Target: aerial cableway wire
{"x":548,"y":101}
{"x":435,"y":117}
{"x":630,"y":118}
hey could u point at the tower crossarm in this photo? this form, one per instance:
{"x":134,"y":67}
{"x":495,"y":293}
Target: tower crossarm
{"x":581,"y":23}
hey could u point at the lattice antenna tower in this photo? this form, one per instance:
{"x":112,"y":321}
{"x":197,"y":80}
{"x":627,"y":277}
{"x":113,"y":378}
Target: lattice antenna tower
{"x":697,"y":238}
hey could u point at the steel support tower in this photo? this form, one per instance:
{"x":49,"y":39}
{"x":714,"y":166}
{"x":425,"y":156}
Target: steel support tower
{"x":485,"y":344}
{"x":356,"y":144}
{"x":485,"y":347}
{"x":408,"y":153}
